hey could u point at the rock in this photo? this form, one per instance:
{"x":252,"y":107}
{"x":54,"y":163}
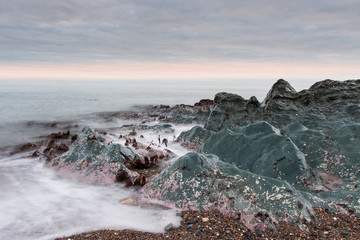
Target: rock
{"x":169,"y":227}
{"x":204,"y":102}
{"x":204,"y":182}
{"x":345,"y":234}
{"x":259,"y":148}
{"x":96,"y":161}
{"x":60,"y":135}
{"x":248,"y":233}
{"x":194,"y":138}
{"x":35,"y":154}
{"x":322,"y":106}
{"x":26,"y":147}
{"x":228,"y":109}
{"x":188,"y":226}
{"x":130,"y":178}
{"x":281,"y":89}
{"x":127,"y":201}
{"x":205,"y":219}
{"x":310,"y":139}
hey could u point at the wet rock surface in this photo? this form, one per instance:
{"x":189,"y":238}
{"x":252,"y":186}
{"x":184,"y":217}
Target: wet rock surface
{"x":261,"y":149}
{"x":92,"y":158}
{"x":204,"y":182}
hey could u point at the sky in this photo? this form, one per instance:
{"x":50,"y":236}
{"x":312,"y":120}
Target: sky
{"x":183,"y":39}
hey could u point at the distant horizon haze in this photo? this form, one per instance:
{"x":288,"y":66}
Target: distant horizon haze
{"x":179,"y":70}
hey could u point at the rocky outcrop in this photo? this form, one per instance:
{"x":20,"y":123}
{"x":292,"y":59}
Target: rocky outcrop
{"x":92,"y":159}
{"x":179,"y":114}
{"x":323,"y":106}
{"x":261,"y":149}
{"x":322,"y":122}
{"x":202,"y":181}
{"x":308,"y":140}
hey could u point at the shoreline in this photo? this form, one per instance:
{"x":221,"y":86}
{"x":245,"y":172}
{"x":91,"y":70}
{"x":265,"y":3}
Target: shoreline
{"x":310,"y":158}
{"x":215,"y":225}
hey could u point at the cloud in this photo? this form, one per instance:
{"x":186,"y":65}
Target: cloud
{"x":187,"y":30}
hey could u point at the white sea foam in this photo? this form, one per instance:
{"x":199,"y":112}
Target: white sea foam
{"x":36,"y":203}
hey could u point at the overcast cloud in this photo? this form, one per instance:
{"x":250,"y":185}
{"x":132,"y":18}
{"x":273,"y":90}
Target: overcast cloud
{"x":184,"y":30}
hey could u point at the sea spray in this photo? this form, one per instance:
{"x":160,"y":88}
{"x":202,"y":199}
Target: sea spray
{"x":38,"y":203}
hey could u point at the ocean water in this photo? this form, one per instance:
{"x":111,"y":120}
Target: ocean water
{"x":24,"y":105}
{"x":38,"y":203}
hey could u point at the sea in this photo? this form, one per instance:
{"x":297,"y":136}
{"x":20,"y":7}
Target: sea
{"x":38,"y":203}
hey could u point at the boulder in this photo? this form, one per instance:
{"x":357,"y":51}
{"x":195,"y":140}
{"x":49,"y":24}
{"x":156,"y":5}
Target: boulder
{"x":260,"y":148}
{"x":204,"y":182}
{"x":96,"y":161}
{"x":194,"y":138}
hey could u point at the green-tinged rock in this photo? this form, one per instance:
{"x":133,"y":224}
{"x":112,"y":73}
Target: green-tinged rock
{"x":259,"y":148}
{"x":346,"y":151}
{"x":186,"y":114}
{"x":95,"y":160}
{"x":310,"y":139}
{"x":204,"y":182}
{"x":88,"y":133}
{"x":232,"y":110}
{"x":311,"y":142}
{"x":333,"y":152}
{"x":323,"y":122}
{"x":322,"y":107}
{"x":194,"y":137}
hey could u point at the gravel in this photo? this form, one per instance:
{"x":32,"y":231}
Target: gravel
{"x":329,"y":225}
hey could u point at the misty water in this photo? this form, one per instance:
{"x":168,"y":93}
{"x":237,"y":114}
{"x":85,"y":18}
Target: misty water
{"x":37,"y":202}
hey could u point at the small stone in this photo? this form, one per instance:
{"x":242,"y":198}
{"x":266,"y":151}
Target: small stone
{"x":313,"y":233}
{"x":169,"y":227}
{"x":248,"y":234}
{"x":272,"y":227}
{"x":199,"y":233}
{"x":344,"y":234}
{"x":189,"y":226}
{"x":205,"y":219}
{"x":326,"y":233}
{"x":127,"y":201}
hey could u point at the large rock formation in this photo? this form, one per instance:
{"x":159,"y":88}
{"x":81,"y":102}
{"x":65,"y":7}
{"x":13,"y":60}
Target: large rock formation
{"x":260,"y":148}
{"x":306,"y":140}
{"x":198,"y":181}
{"x":322,"y":123}
{"x":94,"y":160}
{"x":323,"y":106}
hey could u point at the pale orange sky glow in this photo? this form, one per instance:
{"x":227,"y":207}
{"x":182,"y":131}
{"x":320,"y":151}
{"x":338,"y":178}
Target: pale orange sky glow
{"x":143,"y":70}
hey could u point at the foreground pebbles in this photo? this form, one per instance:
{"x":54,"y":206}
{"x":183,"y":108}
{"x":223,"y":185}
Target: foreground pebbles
{"x":214,"y":225}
